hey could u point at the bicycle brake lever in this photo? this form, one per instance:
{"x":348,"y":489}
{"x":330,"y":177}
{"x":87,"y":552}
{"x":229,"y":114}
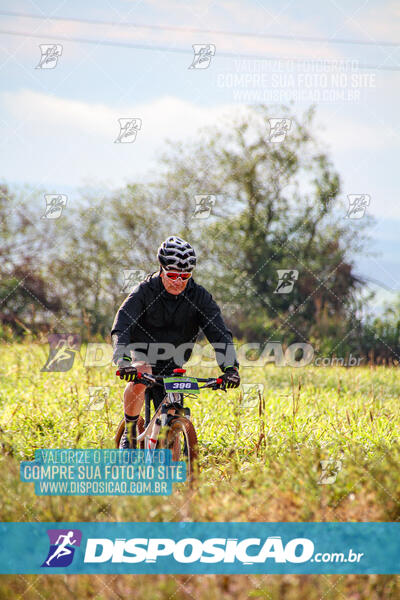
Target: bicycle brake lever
{"x":218,"y":386}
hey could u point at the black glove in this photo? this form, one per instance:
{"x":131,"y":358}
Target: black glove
{"x":231,"y":377}
{"x":126,"y":369}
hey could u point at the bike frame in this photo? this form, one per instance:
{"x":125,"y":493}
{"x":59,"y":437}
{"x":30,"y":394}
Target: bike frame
{"x":161,"y":417}
{"x":168,"y":409}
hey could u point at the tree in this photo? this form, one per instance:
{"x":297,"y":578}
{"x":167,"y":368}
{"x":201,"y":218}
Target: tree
{"x":27,"y":300}
{"x":277,"y":208}
{"x":280,"y":211}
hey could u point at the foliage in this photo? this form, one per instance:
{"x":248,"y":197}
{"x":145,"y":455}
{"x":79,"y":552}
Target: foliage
{"x":278,"y":207}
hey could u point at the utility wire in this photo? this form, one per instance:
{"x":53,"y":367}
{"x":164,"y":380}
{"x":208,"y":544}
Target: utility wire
{"x":301,"y":38}
{"x":59,"y":38}
{"x":378,"y":283}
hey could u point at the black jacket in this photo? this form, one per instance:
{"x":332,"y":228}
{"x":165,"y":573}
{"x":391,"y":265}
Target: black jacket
{"x":150,"y":316}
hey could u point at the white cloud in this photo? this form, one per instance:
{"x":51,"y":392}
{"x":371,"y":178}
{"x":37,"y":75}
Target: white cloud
{"x":74,"y":139}
{"x":71,"y":141}
{"x":161,"y":118}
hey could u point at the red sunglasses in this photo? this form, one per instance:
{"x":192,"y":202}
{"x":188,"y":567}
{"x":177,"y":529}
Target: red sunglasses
{"x":174,"y":276}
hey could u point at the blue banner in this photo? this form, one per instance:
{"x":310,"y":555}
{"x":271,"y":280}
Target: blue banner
{"x":200,"y":548}
{"x":103,"y":472}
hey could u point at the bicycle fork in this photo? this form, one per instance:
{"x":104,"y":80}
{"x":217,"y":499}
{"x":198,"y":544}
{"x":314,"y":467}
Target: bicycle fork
{"x":167,"y":413}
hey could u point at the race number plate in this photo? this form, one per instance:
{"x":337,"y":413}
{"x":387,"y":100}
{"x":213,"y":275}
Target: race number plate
{"x":181,"y":384}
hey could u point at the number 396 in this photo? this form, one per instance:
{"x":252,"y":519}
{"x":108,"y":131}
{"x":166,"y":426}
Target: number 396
{"x":182,"y":385}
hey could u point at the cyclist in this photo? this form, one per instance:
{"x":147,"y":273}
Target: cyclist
{"x":167,"y":309}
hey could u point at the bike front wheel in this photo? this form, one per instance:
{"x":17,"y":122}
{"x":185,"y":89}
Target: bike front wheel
{"x":182,"y":441}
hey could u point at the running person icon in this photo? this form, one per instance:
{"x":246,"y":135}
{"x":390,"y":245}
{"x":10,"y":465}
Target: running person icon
{"x":287,"y":280}
{"x":63,"y":352}
{"x":62,"y":549}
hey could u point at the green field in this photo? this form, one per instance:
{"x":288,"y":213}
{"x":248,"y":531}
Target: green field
{"x":260,"y":461}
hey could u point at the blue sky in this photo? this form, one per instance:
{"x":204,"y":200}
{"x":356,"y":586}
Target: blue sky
{"x":58,"y":125}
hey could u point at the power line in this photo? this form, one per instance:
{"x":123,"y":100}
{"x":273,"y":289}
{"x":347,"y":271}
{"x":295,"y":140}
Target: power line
{"x":301,"y":38}
{"x":378,"y":283}
{"x":186,"y":51}
{"x":96,"y":42}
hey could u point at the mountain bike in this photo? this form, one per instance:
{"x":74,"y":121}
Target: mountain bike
{"x":171,"y":427}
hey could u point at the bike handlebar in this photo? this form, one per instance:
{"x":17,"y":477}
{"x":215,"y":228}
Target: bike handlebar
{"x":149,"y":379}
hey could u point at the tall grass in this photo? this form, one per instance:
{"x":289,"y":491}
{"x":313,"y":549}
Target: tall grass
{"x":260,"y":461}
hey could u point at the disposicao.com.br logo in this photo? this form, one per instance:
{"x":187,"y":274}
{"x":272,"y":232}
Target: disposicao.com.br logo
{"x":248,"y":551}
{"x":62,"y":547}
{"x":199,"y":547}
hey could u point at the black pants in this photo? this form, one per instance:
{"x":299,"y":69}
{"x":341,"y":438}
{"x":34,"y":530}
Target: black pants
{"x":157,"y":394}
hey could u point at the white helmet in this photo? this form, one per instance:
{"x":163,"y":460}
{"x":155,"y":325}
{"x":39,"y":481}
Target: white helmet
{"x":176,"y":255}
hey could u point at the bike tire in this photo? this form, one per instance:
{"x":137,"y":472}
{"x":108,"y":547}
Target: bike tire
{"x":121,"y":428}
{"x":182,"y":441}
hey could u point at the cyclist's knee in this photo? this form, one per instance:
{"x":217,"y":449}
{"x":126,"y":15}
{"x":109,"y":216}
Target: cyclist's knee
{"x":132,"y":389}
{"x":134,"y":396}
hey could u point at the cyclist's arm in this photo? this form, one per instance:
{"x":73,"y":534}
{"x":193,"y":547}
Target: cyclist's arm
{"x":125,"y":320}
{"x":215,"y":330}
